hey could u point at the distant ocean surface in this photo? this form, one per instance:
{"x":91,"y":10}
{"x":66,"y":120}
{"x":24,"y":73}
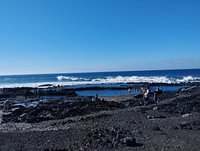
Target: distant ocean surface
{"x":74,"y":79}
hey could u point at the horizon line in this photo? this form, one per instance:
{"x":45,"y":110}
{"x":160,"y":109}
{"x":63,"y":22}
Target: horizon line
{"x":97,"y":71}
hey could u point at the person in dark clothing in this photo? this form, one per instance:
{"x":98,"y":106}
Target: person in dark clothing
{"x":156,"y":93}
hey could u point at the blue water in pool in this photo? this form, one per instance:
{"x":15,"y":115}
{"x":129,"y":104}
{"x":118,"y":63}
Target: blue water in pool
{"x":122,"y":92}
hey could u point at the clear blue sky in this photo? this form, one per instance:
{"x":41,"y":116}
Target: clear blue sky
{"x":49,"y":36}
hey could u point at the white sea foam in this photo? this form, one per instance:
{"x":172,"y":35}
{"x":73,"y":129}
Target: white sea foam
{"x":60,"y":78}
{"x":129,"y":79}
{"x":63,"y":80}
{"x":189,"y":79}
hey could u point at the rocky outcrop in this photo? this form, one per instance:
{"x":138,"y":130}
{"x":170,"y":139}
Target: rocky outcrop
{"x":58,"y":109}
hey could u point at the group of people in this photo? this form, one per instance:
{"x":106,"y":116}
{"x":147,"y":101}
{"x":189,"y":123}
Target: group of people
{"x":146,"y":95}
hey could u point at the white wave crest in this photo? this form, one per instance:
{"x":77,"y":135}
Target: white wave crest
{"x":60,"y":78}
{"x":188,"y":79}
{"x":64,"y":80}
{"x":135,"y":79}
{"x":148,"y":79}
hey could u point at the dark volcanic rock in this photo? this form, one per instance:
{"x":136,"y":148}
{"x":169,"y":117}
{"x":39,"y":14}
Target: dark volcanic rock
{"x":56,"y":109}
{"x":13,"y":115}
{"x":131,"y":142}
{"x":110,"y":138}
{"x":182,"y":105}
{"x":193,"y":125}
{"x":61,"y":92}
{"x":156,"y":128}
{"x":34,"y":92}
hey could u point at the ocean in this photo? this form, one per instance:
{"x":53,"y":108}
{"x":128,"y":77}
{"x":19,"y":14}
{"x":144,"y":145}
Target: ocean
{"x":93,"y":79}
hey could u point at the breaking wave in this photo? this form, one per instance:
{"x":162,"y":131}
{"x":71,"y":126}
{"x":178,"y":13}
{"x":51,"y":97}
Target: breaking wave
{"x":130,"y":79}
{"x":67,"y":80}
{"x":60,"y":78}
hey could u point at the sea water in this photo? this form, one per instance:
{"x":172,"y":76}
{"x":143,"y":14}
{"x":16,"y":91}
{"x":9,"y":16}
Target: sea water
{"x":105,"y":79}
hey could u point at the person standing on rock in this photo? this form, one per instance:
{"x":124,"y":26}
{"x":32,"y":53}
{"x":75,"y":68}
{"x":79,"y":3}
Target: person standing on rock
{"x":155,"y":97}
{"x":156,"y":93}
{"x":146,"y":97}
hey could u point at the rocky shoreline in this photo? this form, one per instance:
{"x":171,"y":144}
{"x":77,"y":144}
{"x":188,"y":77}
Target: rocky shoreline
{"x":69,"y":122}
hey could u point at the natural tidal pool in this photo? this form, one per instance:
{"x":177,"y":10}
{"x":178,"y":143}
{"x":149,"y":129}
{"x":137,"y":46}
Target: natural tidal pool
{"x":122,"y":92}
